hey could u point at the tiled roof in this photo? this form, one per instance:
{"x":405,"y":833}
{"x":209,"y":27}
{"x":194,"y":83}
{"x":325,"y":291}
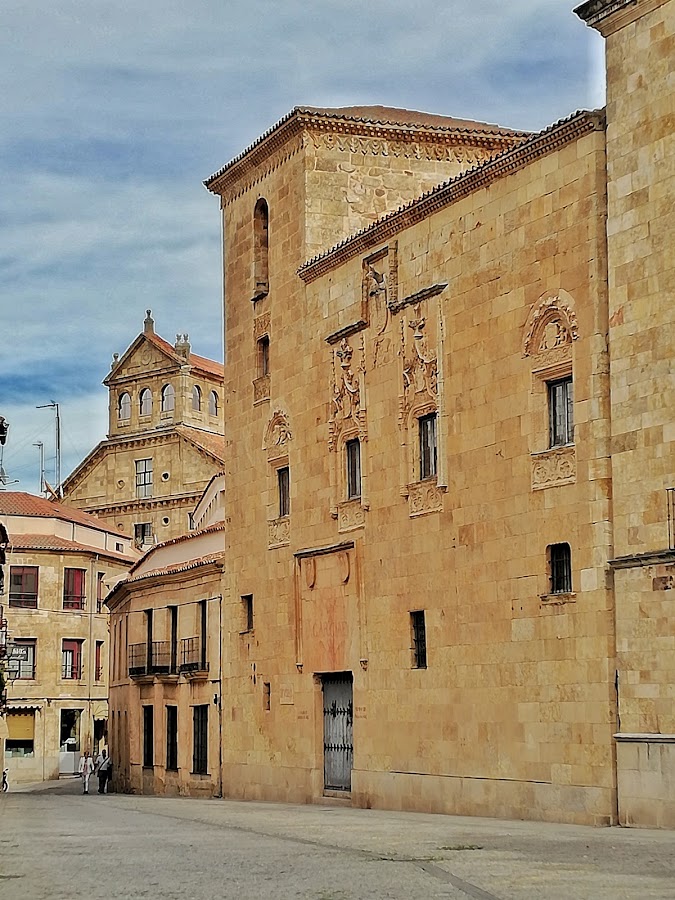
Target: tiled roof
{"x":19,"y":503}
{"x":372,"y":116}
{"x":176,"y":569}
{"x":209,"y":366}
{"x":210,"y":529}
{"x":23,"y":542}
{"x":206,"y":440}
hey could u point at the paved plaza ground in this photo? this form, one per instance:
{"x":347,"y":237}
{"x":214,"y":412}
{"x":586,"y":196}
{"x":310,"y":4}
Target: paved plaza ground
{"x":56,"y":843}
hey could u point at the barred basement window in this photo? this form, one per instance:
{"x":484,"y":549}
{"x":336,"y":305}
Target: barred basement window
{"x":200,"y":740}
{"x":419,"y":639}
{"x":560,"y":568}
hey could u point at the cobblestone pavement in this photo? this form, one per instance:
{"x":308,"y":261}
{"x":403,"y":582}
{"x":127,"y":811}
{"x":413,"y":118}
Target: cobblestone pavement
{"x":56,"y":843}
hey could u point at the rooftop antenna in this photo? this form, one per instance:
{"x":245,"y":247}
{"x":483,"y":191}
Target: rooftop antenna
{"x":55,"y":406}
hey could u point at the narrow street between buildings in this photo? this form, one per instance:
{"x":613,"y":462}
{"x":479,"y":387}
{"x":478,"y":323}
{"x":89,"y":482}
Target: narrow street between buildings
{"x":57,"y":843}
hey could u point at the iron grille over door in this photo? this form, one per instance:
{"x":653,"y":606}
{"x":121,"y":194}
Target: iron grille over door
{"x":338,"y":744}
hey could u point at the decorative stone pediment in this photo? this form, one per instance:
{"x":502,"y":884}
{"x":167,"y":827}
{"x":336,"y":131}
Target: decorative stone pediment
{"x":277,"y":434}
{"x":551,"y":327}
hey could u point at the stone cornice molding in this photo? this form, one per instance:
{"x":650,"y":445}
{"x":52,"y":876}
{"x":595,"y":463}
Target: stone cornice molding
{"x":181,"y":572}
{"x":552,"y":139}
{"x":426,"y":293}
{"x":638,"y":560}
{"x":608,"y":16}
{"x":243,"y":168}
{"x":147,"y":504}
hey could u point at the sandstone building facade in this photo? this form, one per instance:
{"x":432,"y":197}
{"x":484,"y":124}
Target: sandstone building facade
{"x":164,"y":443}
{"x":448,"y":517}
{"x":61,"y":563}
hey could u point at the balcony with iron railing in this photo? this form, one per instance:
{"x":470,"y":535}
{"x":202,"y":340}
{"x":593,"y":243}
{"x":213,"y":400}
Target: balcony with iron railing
{"x":73,"y":601}
{"x":193,"y":656}
{"x":165,"y":659}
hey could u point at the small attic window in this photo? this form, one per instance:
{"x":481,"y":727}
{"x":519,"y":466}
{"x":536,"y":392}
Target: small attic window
{"x":124,"y":407}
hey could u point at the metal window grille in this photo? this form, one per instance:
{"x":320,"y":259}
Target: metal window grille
{"x":353,"y":449}
{"x":428,"y":447}
{"x":201,"y":740}
{"x":23,"y":586}
{"x":74,"y":581}
{"x":98,"y":674}
{"x":560,"y":410}
{"x":283,"y":476}
{"x":560,"y":561}
{"x":172,"y":738}
{"x":21,"y":660}
{"x":148,"y":736}
{"x":419,"y":639}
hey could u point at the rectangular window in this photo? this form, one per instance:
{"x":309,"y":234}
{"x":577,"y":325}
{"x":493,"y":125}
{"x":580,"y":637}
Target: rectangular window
{"x":428,"y":448}
{"x":203,"y":631}
{"x":263,"y":356}
{"x":21,"y":659}
{"x":71,"y":659}
{"x":283,"y":476}
{"x":353,"y":451}
{"x":173,"y":662}
{"x":247,"y":604}
{"x":23,"y":586}
{"x":201,"y":740}
{"x":560,"y":412}
{"x":144,"y":478}
{"x":142,"y":534}
{"x":419,"y":639}
{"x":98,"y":675}
{"x":148,"y":736}
{"x":172,"y":738}
{"x":74,"y":581}
{"x":21,"y":734}
{"x":560,"y":568}
{"x":100,"y":591}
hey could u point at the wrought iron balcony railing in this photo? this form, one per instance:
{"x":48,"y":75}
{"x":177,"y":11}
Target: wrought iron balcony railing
{"x":193,"y":655}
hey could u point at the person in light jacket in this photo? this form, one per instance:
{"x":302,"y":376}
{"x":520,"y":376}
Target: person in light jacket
{"x":103,"y":770}
{"x":85,"y":769}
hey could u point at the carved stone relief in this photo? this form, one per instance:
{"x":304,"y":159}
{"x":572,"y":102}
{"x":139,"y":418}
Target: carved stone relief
{"x":261,"y":388}
{"x":261,"y":326}
{"x":277,"y":434}
{"x":347,"y":411}
{"x":554,"y":467}
{"x":351,"y":515}
{"x":420,"y":363}
{"x":278,"y":532}
{"x":551,"y":326}
{"x":424,"y":497}
{"x":379,"y":290}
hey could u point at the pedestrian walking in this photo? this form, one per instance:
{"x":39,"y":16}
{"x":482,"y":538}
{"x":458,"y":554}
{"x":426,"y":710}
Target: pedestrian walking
{"x":103,"y":768}
{"x":86,"y":767}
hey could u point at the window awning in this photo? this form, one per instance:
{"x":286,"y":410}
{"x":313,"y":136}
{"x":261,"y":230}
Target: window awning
{"x":21,"y":725}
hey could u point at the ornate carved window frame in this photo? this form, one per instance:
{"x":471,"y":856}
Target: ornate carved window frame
{"x":550,"y":332}
{"x":262,"y":381}
{"x":275,"y":444}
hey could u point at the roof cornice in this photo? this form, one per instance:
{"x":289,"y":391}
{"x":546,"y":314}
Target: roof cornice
{"x":303,"y":119}
{"x":608,"y":16}
{"x":552,"y":138}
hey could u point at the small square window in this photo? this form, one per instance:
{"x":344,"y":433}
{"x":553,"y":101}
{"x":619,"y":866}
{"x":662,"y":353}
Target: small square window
{"x":419,"y":639}
{"x":284,"y":482}
{"x":560,"y":412}
{"x":428,"y":446}
{"x":560,"y":568}
{"x":353,"y":452}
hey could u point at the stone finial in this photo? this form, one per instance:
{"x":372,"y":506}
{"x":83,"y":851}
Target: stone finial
{"x":115,"y":360}
{"x":182,"y":345}
{"x":148,"y":323}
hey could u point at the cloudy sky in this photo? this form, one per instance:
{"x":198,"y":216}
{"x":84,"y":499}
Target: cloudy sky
{"x":112,"y":115}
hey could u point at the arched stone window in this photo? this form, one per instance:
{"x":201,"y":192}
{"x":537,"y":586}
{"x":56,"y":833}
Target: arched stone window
{"x":260,"y":249}
{"x":124,"y":407}
{"x":145,"y":404}
{"x":196,"y":398}
{"x":213,"y":404}
{"x":168,"y":398}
